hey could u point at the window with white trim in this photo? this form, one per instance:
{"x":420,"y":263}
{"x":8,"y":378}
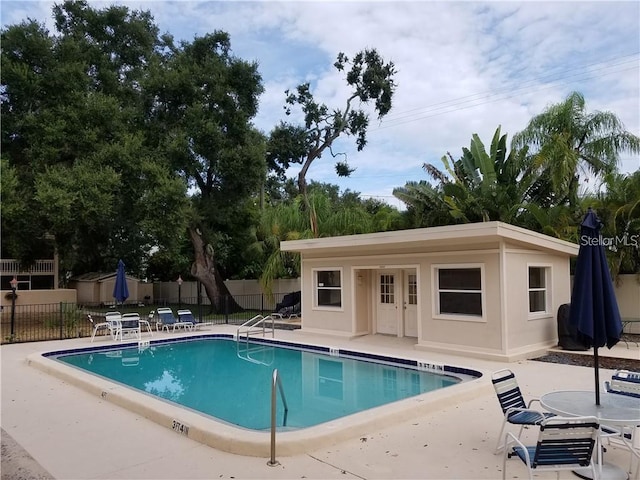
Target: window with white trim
{"x":538,"y":289}
{"x":328,"y":288}
{"x":459,"y":291}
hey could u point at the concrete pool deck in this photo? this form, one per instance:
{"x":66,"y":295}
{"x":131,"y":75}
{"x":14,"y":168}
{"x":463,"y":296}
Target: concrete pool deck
{"x":73,"y":434}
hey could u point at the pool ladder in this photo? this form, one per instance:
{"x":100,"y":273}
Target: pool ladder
{"x":255,"y":326}
{"x":276,"y":382}
{"x":255,"y":353}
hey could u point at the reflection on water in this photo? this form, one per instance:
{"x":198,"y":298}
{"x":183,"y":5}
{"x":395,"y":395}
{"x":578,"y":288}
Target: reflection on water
{"x":330,"y":379}
{"x":167,"y":386}
{"x":216,"y":377}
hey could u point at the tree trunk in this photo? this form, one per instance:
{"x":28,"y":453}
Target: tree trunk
{"x":204,"y":269}
{"x":302,"y":186}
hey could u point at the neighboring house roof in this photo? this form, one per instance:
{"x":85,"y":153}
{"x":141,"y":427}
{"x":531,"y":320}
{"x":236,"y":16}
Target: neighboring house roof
{"x":97,"y":277}
{"x":469,"y":236}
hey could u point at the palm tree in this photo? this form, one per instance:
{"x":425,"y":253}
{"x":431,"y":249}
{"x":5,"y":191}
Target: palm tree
{"x":425,"y":202}
{"x":291,"y":221}
{"x":285,"y":221}
{"x":567,"y":141}
{"x":618,"y":206}
{"x":480,"y":186}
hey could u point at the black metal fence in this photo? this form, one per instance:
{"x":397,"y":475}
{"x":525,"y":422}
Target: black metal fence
{"x":59,"y":321}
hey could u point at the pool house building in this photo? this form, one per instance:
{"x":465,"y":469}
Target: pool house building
{"x":488,"y":290}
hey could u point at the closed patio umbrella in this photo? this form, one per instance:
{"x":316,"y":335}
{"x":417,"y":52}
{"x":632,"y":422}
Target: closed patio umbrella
{"x":120,"y":289}
{"x":594,"y":309}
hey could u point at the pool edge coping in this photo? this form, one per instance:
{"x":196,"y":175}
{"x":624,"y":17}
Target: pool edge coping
{"x":232,"y":439}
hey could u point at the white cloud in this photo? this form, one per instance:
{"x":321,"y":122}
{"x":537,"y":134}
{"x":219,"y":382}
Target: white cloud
{"x":463,"y":67}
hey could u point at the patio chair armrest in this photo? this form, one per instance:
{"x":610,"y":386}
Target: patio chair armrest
{"x":533,"y":400}
{"x":511,"y":410}
{"x":526,"y":416}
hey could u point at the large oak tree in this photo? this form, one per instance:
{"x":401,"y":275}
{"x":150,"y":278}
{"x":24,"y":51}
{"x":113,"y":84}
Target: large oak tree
{"x":74,"y":140}
{"x":202,"y":100}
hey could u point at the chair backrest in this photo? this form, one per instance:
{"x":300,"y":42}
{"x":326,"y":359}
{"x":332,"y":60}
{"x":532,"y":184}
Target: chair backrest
{"x":130,"y":320}
{"x":166,"y":316}
{"x":507,"y":389}
{"x":90,"y":318}
{"x":113,"y":319}
{"x":186,"y":316}
{"x":624,"y":382}
{"x":566,"y":441}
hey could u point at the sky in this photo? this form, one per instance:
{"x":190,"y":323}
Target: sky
{"x":463,"y":68}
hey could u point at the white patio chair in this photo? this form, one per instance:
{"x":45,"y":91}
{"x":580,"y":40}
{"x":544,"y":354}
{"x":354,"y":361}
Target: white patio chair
{"x":624,"y":382}
{"x":514,"y":408}
{"x":114,"y":320}
{"x":99,"y":326}
{"x":564,"y":443}
{"x":145,"y":324}
{"x":130,"y":325}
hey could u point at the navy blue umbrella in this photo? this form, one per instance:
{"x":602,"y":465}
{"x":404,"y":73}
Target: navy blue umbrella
{"x":120,"y":289}
{"x":594,"y":309}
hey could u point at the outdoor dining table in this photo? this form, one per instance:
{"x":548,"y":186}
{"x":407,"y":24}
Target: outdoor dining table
{"x":615,"y":410}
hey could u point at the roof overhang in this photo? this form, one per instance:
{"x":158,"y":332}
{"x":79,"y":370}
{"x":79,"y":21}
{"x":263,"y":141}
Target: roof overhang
{"x":451,"y":237}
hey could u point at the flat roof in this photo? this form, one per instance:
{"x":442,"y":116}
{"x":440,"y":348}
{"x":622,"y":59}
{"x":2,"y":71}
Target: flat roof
{"x":449,"y":235}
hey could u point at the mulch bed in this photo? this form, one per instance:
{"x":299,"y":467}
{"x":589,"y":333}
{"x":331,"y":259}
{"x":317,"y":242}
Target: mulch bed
{"x":584,"y":360}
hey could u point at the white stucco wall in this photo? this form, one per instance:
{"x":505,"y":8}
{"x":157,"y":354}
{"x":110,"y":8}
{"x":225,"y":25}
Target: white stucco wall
{"x":452,"y":333}
{"x":525,"y":331}
{"x":627,"y":291}
{"x":505,"y":330}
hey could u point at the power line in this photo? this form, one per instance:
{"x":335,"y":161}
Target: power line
{"x":470,"y":102}
{"x":580,"y":68}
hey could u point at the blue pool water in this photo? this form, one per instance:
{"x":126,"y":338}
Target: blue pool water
{"x":232,"y":382}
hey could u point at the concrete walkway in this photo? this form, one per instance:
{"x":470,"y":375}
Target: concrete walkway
{"x":72,"y":434}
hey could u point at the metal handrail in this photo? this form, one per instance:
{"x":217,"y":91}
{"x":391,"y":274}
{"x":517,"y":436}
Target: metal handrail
{"x":276,"y":381}
{"x":255,"y":323}
{"x":247,"y":352}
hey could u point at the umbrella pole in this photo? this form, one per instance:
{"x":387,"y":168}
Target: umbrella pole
{"x":596,"y":368}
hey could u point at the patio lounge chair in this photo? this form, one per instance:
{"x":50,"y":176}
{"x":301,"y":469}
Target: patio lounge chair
{"x":166,"y":320}
{"x":186,"y":317}
{"x":516,"y":411}
{"x":564,"y":443}
{"x":289,"y":307}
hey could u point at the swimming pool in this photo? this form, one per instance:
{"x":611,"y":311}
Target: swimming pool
{"x":231,"y":381}
{"x":332,"y":394}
